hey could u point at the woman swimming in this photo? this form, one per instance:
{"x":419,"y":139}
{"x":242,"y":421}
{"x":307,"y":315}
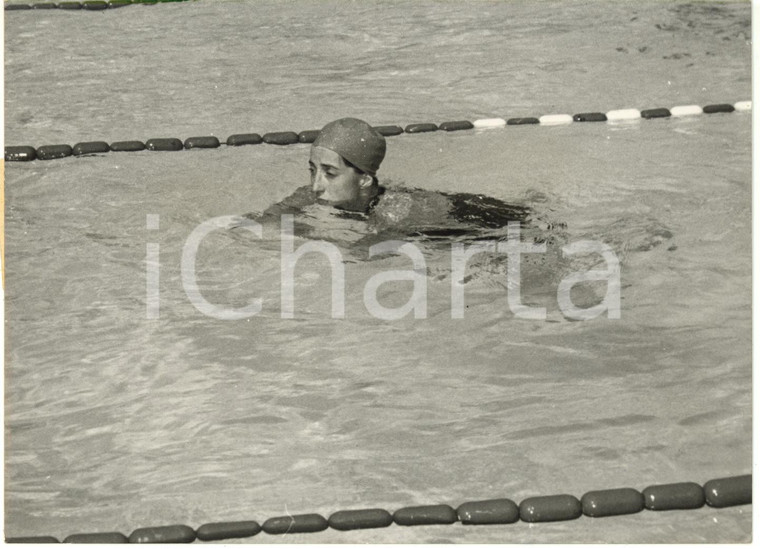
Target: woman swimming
{"x":343,"y":164}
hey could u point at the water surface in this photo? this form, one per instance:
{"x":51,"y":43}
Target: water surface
{"x":115,"y":421}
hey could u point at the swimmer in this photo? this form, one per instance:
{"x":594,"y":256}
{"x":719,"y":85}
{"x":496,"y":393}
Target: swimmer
{"x":343,"y":165}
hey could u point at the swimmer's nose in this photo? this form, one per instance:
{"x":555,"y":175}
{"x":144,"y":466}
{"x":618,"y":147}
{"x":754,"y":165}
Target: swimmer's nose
{"x":317,"y":185}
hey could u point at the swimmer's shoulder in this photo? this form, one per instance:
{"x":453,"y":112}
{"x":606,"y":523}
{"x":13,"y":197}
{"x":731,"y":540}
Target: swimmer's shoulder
{"x":404,"y":203}
{"x":392,"y":206}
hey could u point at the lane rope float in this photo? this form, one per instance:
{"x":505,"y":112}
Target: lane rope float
{"x":717,"y":493}
{"x":49,"y":152}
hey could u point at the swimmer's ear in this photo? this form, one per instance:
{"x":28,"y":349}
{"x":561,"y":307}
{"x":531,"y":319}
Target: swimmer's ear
{"x":366,"y":181}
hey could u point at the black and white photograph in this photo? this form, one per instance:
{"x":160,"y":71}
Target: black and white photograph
{"x":378,"y":271}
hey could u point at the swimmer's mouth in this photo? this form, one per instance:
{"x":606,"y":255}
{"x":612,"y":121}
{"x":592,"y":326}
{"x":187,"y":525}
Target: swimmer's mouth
{"x":338,"y":206}
{"x":344,"y":205}
{"x":324,"y":202}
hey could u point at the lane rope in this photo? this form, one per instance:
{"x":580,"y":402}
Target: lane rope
{"x":87,"y":5}
{"x":49,"y":152}
{"x":717,"y":493}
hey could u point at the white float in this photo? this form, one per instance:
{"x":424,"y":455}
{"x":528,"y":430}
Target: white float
{"x":743,"y":106}
{"x":623,"y":114}
{"x":489,"y":123}
{"x":686,"y":110}
{"x":555,"y":119}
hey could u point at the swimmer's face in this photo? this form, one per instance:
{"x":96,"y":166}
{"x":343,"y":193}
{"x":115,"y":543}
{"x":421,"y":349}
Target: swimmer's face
{"x":335,"y":182}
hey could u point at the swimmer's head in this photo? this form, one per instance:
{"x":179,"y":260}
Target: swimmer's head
{"x":344,"y":161}
{"x":354,"y":140}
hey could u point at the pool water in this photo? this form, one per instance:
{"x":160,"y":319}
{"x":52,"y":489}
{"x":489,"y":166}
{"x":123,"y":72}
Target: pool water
{"x":116,"y":421}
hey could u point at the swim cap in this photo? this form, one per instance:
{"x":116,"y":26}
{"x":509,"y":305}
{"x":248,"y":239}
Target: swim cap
{"x":354,"y":140}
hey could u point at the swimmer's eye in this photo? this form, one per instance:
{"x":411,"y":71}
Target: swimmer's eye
{"x":328,"y":172}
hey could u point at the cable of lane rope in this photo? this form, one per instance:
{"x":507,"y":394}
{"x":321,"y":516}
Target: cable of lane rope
{"x":717,"y":493}
{"x":50,"y":152}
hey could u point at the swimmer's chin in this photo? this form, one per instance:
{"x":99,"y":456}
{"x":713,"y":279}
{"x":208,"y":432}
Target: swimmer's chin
{"x":342,"y":206}
{"x":336,"y":205}
{"x":323,"y":202}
